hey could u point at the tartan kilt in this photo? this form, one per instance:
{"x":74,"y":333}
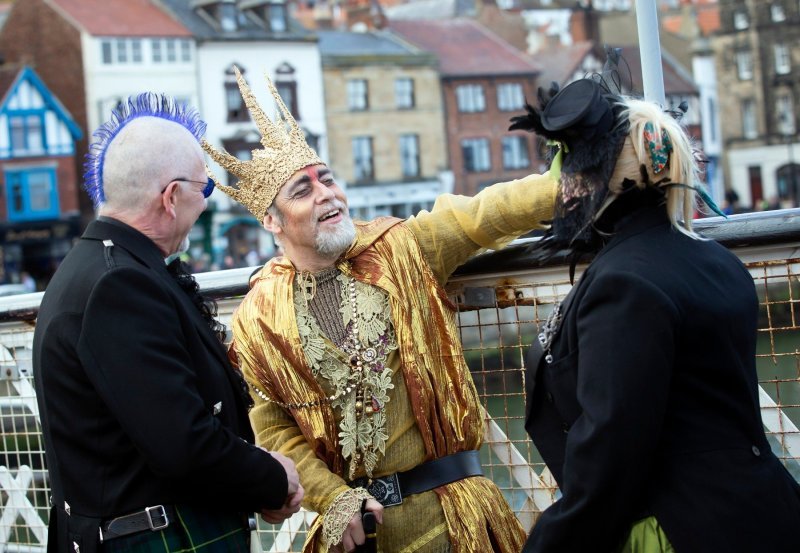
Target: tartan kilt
{"x":194,"y":530}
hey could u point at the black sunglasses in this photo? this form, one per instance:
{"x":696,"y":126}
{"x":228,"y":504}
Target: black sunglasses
{"x":209,"y":188}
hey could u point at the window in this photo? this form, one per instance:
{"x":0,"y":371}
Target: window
{"x":712,"y":119}
{"x":788,"y":183}
{"x":783,"y":62}
{"x":404,"y":93}
{"x":234,"y":103}
{"x":277,"y":18}
{"x":105,"y":46}
{"x":515,"y":152}
{"x":286,"y":82}
{"x":27,"y":134}
{"x":777,"y":13}
{"x":136,"y":50}
{"x":158,"y":56}
{"x":357,"y":95}
{"x":740,"y":20}
{"x":749,"y":129}
{"x":510,"y":97}
{"x":363,"y":169}
{"x":288,"y":93}
{"x":469,"y":98}
{"x":32,"y":194}
{"x":172,"y":53}
{"x":476,"y":154}
{"x":409,"y":154}
{"x":744,"y":65}
{"x":785,"y":114}
{"x":228,"y":17}
{"x":241,"y":149}
{"x":172,"y":50}
{"x":121,"y":50}
{"x":186,"y":50}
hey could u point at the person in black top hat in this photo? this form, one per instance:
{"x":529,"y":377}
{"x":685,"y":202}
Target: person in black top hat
{"x":642,"y":395}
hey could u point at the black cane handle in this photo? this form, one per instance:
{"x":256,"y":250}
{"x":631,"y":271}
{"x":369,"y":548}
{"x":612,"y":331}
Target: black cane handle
{"x":369,"y":523}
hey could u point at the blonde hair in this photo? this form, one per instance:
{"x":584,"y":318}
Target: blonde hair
{"x":681,"y":167}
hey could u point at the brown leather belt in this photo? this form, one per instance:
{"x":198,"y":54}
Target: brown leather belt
{"x":153,"y":518}
{"x":390,"y":490}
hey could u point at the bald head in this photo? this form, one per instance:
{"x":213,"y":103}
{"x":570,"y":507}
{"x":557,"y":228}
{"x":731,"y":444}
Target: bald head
{"x":145,"y":156}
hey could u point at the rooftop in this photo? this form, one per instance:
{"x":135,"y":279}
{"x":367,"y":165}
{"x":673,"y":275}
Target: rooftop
{"x":246,"y":29}
{"x":119,"y":17}
{"x":465,"y":48}
{"x":560,"y":62}
{"x":346,"y":43}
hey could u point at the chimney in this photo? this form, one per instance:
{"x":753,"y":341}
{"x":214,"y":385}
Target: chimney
{"x":584,"y":24}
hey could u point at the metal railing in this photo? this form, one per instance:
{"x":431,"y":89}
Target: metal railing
{"x":501,"y":298}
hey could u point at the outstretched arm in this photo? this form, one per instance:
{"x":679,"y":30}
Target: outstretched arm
{"x":459,"y":226}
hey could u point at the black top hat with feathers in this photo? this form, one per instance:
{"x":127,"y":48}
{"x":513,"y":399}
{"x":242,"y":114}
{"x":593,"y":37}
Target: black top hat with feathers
{"x":584,"y":124}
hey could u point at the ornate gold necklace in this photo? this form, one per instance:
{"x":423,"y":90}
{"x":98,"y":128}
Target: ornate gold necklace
{"x":356,"y":369}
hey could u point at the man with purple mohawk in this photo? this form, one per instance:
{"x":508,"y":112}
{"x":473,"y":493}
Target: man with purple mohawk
{"x":145,"y":422}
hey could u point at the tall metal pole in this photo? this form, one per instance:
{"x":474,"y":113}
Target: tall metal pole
{"x":650,"y":51}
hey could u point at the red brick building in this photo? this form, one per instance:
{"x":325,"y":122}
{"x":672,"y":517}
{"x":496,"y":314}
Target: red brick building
{"x":485,"y":81}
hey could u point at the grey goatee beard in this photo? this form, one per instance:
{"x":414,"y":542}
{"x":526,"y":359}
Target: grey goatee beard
{"x":334,"y":242}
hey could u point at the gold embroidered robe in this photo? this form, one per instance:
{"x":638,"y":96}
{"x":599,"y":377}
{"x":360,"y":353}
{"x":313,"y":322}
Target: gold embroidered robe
{"x":434,"y":409}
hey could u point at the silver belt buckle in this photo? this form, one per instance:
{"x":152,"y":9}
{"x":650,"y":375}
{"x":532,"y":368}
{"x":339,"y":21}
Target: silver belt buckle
{"x":386,"y":490}
{"x":163,"y":514}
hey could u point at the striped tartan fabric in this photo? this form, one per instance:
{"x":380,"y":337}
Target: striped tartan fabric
{"x":194,"y":531}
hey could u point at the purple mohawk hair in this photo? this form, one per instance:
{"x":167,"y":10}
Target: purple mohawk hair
{"x":146,"y":104}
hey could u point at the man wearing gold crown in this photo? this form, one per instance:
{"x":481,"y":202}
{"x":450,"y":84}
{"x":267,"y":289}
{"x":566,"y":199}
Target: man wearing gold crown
{"x":350,"y":345}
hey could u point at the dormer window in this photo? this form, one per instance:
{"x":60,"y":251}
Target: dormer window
{"x":227,"y":17}
{"x":223,"y":15}
{"x":277,"y":18}
{"x":269,"y":15}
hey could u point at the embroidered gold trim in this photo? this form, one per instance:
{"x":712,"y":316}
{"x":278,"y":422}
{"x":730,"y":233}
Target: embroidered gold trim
{"x":357,"y":373}
{"x":338,"y":515}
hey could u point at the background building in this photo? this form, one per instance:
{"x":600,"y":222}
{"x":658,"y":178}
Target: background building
{"x":259,"y":38}
{"x":39,"y":215}
{"x":485,"y":81}
{"x":757,"y":56}
{"x":385,"y":122}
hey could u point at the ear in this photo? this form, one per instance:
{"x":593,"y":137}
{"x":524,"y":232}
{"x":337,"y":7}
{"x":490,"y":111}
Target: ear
{"x":272,"y":224}
{"x":168,"y":199}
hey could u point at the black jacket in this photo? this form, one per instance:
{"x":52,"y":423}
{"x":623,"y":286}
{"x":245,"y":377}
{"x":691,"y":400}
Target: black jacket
{"x":650,"y":404}
{"x":139,"y":404}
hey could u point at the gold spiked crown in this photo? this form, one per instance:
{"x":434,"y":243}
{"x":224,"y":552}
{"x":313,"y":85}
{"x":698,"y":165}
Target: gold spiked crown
{"x":284,"y":153}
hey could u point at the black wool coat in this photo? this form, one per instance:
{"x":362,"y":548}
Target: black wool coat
{"x":649,"y":405}
{"x":139,"y":404}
